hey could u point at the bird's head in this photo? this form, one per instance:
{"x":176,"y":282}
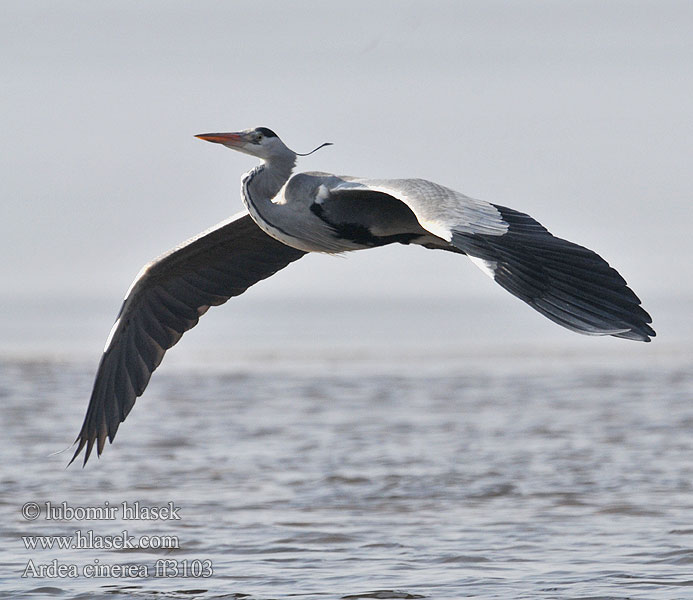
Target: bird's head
{"x":260,"y":142}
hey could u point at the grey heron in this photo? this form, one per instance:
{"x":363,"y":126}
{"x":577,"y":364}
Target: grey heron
{"x":288,"y":216}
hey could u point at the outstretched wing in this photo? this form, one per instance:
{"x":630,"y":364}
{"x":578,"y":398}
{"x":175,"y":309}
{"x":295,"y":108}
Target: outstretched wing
{"x":569,"y":284}
{"x":167,"y":298}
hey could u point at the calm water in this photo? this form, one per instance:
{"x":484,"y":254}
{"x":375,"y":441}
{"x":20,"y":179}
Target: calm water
{"x":509,"y":472}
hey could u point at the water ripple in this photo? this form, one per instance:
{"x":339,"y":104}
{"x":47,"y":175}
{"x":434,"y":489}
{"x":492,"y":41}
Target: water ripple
{"x":566,"y":484}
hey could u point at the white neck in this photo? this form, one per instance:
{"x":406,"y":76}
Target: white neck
{"x":262,"y":184}
{"x":264,"y":181}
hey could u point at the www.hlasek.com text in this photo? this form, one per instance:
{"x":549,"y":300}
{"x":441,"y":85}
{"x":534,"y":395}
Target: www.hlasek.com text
{"x":88,"y":540}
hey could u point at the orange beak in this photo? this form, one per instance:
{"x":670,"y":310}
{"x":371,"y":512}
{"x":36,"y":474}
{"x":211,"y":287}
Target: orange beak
{"x":228,"y":139}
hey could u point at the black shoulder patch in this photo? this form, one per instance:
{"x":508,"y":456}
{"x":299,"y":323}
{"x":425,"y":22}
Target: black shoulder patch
{"x":359,"y":233}
{"x":266,"y":132}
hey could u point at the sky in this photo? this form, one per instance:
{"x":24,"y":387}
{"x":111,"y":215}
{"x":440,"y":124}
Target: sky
{"x":578,"y":113}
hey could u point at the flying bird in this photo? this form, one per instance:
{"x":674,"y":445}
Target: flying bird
{"x":288,"y":216}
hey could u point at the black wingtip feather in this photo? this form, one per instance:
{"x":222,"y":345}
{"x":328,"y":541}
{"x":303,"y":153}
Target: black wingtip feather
{"x":80,"y":441}
{"x":567,"y":283}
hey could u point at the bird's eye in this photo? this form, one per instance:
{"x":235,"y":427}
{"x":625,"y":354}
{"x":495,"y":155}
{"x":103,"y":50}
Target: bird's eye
{"x":257,"y":138}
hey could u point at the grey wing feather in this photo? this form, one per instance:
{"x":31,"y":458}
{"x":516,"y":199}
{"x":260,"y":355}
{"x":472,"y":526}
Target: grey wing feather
{"x":567,"y":283}
{"x":166,"y":299}
{"x":439,"y":209}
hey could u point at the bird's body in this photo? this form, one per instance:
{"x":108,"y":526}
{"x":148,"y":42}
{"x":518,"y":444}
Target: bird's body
{"x":290,"y":215}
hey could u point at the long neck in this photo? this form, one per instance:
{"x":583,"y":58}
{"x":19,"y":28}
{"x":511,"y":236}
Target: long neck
{"x":263,"y":183}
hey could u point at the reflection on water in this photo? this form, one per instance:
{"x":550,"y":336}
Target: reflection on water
{"x":390,"y":470}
